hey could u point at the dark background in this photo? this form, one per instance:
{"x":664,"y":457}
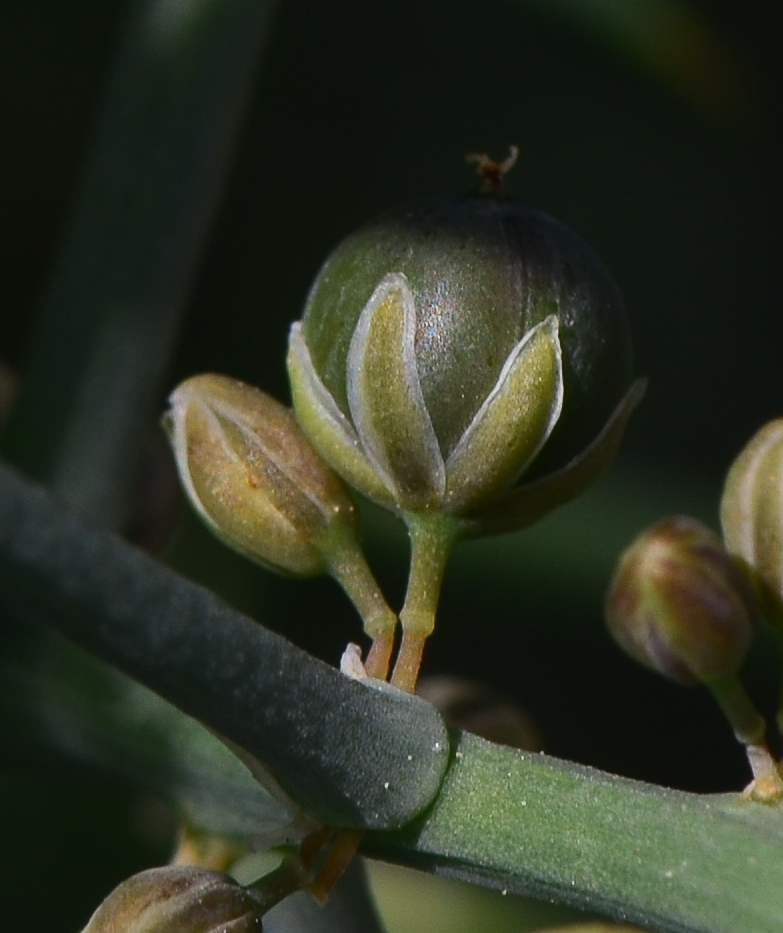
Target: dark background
{"x":359,"y":105}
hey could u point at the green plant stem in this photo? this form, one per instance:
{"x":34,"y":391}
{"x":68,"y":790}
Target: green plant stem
{"x":159,"y":160}
{"x":494,"y":816}
{"x":378,"y":659}
{"x":750,"y":729}
{"x":767,"y":784}
{"x":530,"y":824}
{"x":348,"y":566}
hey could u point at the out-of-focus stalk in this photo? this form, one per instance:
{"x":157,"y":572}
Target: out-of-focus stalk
{"x":159,"y":160}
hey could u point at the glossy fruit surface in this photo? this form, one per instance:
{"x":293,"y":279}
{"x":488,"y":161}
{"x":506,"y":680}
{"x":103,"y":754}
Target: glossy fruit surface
{"x":483,"y":272}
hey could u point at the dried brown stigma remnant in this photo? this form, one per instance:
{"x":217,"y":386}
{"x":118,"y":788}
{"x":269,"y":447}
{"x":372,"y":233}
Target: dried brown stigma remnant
{"x":492,"y":173}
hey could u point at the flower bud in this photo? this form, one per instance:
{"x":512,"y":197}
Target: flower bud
{"x":177,"y":899}
{"x":751,"y":515}
{"x":253,"y":477}
{"x":679,"y":604}
{"x":458,"y":354}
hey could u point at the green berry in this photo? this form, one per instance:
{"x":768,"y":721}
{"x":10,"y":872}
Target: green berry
{"x":455,"y":352}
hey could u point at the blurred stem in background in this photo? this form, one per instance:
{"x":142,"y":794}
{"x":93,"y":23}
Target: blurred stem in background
{"x":675,"y":45}
{"x":162,"y":151}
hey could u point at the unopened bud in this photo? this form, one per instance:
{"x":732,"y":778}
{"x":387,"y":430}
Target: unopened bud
{"x":253,"y":477}
{"x":682,"y":605}
{"x":679,"y":604}
{"x":177,"y":899}
{"x":751,"y":515}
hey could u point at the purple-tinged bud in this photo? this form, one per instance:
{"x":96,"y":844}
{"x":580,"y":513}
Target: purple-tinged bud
{"x":679,"y":604}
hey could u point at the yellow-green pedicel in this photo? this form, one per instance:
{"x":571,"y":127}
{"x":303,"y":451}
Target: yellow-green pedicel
{"x":466,"y":363}
{"x":751,"y":514}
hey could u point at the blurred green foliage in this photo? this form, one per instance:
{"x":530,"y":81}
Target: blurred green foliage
{"x":658,"y":139}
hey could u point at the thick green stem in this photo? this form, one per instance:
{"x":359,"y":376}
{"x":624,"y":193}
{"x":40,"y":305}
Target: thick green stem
{"x":223,"y":669}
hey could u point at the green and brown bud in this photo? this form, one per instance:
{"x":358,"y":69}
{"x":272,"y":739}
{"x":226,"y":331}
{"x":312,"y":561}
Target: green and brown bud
{"x":751,"y":515}
{"x":679,"y":604}
{"x":254,"y":478}
{"x":596,"y":927}
{"x":252,"y":475}
{"x":464,"y":357}
{"x":177,"y":899}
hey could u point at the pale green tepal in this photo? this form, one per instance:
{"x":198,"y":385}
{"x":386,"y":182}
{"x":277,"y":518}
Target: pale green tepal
{"x":466,"y":363}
